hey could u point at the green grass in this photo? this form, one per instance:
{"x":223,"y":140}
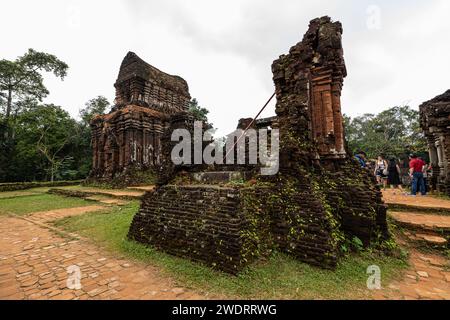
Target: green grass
{"x":279,"y":277}
{"x":39,"y":202}
{"x":23,"y":193}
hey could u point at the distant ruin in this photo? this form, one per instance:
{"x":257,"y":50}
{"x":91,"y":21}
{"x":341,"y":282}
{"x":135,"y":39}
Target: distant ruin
{"x":127,"y":141}
{"x":227,"y":216}
{"x":435,"y":121}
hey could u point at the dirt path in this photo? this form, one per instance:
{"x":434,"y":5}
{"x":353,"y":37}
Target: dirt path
{"x":34,"y":264}
{"x":396,"y":197}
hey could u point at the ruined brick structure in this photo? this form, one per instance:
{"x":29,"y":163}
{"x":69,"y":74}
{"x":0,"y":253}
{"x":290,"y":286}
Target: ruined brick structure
{"x":320,"y":199}
{"x":127,"y":141}
{"x":435,"y":121}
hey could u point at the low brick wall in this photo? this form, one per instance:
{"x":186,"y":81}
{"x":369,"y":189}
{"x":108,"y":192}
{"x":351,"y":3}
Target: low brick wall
{"x":15,"y":186}
{"x":228,"y":228}
{"x":202,"y":223}
{"x":86,"y":194}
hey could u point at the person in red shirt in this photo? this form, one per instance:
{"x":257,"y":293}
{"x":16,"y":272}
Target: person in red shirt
{"x":416,"y":172}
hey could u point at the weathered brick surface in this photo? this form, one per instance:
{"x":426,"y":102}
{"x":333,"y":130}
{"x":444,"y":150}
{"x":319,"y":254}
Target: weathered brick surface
{"x":128,"y":140}
{"x":319,"y":199}
{"x":203,"y":223}
{"x":435,"y":121}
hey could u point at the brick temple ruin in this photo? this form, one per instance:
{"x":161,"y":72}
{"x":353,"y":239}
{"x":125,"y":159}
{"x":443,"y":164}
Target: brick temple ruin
{"x":435,"y":121}
{"x":127,"y":141}
{"x":227,"y":216}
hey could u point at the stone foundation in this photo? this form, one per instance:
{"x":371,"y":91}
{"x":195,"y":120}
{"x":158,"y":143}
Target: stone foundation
{"x":204,"y":223}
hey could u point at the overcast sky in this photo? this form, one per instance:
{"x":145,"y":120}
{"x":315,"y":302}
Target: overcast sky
{"x":397,"y":52}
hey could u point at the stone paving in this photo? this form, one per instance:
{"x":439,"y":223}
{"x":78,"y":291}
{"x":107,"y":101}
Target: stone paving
{"x":50,"y":215}
{"x":34,"y":264}
{"x":428,"y":278}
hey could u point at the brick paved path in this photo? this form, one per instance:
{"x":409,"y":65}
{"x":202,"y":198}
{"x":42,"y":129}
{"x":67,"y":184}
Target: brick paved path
{"x":34,"y":262}
{"x":428,"y":278}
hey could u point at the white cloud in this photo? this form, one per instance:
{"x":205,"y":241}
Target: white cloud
{"x":224,"y":49}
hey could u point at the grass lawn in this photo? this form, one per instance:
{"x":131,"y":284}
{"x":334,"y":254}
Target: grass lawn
{"x":22,"y":193}
{"x":279,"y":277}
{"x":24,"y":204}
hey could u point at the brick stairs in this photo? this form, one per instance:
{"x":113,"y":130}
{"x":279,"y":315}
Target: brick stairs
{"x":424,"y":221}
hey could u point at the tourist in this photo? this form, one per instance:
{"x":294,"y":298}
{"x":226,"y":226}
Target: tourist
{"x":427,"y":169}
{"x":381,"y":171}
{"x":394,"y":175}
{"x":361,"y":157}
{"x":416,"y":173}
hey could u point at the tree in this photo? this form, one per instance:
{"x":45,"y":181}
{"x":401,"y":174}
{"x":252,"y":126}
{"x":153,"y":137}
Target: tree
{"x":93,"y":107}
{"x":21,"y":79}
{"x":393,"y":132}
{"x":82,"y":155}
{"x":45,"y":136}
{"x":199,"y":113}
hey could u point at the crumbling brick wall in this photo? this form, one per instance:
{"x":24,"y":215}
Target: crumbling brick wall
{"x":320,"y":198}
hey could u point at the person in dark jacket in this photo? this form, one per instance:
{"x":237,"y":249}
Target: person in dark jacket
{"x":394,"y":175}
{"x":361,"y":157}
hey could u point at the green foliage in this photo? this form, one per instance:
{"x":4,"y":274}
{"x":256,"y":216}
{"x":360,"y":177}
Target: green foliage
{"x":41,"y":141}
{"x":393,"y":132}
{"x":48,"y":144}
{"x":199,"y":113}
{"x":82,"y":150}
{"x":93,"y":107}
{"x":21,"y":79}
{"x":43,"y":134}
{"x":357,"y":243}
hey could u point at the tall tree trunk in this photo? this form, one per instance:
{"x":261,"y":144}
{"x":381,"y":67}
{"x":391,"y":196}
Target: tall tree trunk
{"x":8,"y":105}
{"x":8,"y":113}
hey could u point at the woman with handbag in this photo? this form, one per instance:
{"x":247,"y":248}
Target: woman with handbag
{"x":381,"y":171}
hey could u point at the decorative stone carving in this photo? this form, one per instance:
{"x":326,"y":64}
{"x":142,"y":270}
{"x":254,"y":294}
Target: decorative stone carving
{"x":128,"y":141}
{"x":435,"y":121}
